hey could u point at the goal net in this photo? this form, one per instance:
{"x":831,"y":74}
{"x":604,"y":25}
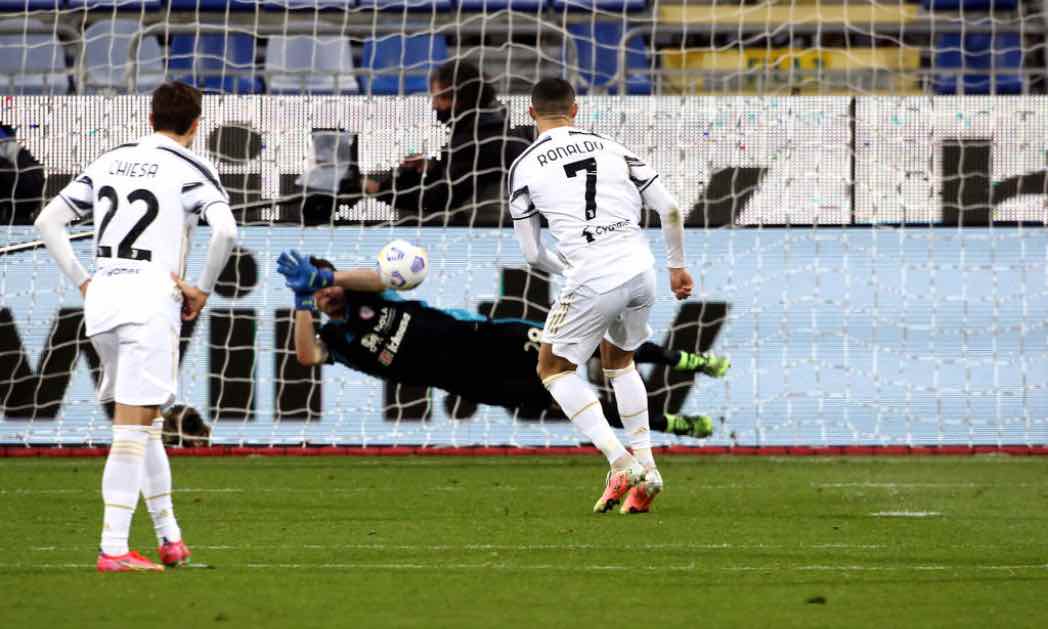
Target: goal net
{"x":864,"y":185}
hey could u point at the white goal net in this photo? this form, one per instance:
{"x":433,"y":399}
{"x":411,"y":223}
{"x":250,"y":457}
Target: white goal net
{"x":865,"y":187}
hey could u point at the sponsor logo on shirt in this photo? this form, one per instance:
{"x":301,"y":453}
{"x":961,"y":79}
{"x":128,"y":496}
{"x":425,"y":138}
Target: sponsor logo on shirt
{"x":591,"y":233}
{"x":394,"y":343}
{"x":366,"y":313}
{"x":371,"y":341}
{"x":385,"y":320}
{"x":120,"y":271}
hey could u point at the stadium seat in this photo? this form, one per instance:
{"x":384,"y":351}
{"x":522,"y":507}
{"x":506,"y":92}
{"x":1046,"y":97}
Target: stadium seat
{"x":396,"y":59}
{"x":530,"y":6}
{"x":31,"y":62}
{"x":121,"y":5}
{"x":407,"y":5}
{"x":107,"y":46}
{"x":611,"y":6}
{"x":796,"y":71}
{"x":984,"y":61}
{"x":251,"y":5}
{"x":26,"y":5}
{"x":309,"y":5}
{"x":213,"y":5}
{"x":216,"y":63}
{"x":304,"y":64}
{"x":970,"y":5}
{"x":597,"y":44}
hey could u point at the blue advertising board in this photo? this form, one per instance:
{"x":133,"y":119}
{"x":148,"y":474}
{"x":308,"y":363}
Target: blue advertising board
{"x":838,"y":336}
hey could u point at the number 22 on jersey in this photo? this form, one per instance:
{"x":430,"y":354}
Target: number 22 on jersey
{"x":125,"y":248}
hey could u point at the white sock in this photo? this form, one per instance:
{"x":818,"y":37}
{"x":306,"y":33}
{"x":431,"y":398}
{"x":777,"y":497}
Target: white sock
{"x":156,"y":486}
{"x":580,"y":404}
{"x":632,"y":399}
{"x":121,"y":482}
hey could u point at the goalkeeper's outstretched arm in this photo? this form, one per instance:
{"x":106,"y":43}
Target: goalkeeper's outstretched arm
{"x":309,"y":350}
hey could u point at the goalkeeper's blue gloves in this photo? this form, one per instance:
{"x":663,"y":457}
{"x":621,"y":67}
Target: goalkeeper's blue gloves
{"x":303,"y":278}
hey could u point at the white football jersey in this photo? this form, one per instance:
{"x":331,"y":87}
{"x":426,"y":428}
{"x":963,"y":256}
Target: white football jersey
{"x":146,"y":198}
{"x":588,"y":188}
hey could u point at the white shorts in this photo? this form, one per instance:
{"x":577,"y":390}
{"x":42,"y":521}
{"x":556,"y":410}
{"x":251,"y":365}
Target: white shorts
{"x":580,"y":318}
{"x":139,"y":363}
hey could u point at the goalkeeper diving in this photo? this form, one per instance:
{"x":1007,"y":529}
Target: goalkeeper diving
{"x":372,"y":329}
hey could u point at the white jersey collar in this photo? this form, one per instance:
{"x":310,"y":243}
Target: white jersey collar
{"x":554,"y":131}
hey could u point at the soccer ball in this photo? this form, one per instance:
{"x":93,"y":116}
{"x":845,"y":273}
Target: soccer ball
{"x":402,"y":265}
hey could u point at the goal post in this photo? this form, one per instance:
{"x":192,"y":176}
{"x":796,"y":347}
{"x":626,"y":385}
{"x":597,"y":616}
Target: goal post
{"x":863,"y":184}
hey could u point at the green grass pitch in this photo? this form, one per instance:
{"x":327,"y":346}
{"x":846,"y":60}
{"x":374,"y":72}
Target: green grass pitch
{"x":506,"y":542}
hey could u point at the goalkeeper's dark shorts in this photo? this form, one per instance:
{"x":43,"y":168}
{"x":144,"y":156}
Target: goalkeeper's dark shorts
{"x":497,"y":365}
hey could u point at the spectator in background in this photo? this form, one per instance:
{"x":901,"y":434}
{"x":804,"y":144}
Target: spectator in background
{"x":464,"y":186}
{"x":21,"y":181}
{"x":183,"y":426}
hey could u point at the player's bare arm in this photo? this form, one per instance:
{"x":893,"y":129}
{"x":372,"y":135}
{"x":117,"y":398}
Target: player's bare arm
{"x":364,"y":280}
{"x":309,"y":350}
{"x":193,"y":299}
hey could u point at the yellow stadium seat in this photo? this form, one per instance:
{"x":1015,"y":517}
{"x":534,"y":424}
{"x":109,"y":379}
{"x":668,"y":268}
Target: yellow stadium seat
{"x":820,"y":71}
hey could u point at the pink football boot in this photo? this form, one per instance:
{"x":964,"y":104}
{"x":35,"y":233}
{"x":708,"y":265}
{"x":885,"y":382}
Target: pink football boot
{"x":174,"y":554}
{"x":643,"y":494}
{"x":616,"y":486}
{"x":130,"y":562}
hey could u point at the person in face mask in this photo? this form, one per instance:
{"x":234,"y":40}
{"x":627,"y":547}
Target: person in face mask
{"x":465,"y":185}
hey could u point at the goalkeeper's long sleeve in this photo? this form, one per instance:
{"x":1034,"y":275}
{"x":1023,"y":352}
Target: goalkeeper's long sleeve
{"x":51,"y":224}
{"x":223,"y":237}
{"x":657,"y":197}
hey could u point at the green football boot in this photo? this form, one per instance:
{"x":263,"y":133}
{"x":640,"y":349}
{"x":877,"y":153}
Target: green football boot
{"x":697,"y":426}
{"x":708,"y":364}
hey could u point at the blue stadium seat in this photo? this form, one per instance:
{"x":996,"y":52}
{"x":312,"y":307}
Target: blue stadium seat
{"x":407,"y":5}
{"x":970,"y":5}
{"x":31,"y":62}
{"x":984,"y":61}
{"x":597,"y":44}
{"x":530,"y":6}
{"x":107,"y":46}
{"x":403,"y":63}
{"x":215,"y":63}
{"x":121,"y":5}
{"x":309,"y":5}
{"x":213,"y":5}
{"x":303,"y":64}
{"x":614,"y":6}
{"x":24,"y":5}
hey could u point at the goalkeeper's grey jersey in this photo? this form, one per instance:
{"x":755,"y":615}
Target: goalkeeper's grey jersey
{"x":588,"y":187}
{"x":146,"y":198}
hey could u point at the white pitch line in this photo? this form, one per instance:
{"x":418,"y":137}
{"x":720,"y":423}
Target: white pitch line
{"x":906,"y":514}
{"x":489,"y":547}
{"x":868,"y":485}
{"x":509,"y":567}
{"x":357,"y":490}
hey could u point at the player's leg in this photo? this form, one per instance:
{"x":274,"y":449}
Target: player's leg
{"x":125,"y":464}
{"x":627,"y":333}
{"x":573,"y":330}
{"x":705,"y":363}
{"x":158,"y":349}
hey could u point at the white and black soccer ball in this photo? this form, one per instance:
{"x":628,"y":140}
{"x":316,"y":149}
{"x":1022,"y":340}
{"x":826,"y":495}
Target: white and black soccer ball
{"x":402,"y":265}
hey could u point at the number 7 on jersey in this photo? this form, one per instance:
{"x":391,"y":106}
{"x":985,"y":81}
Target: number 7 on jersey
{"x":590,"y":166}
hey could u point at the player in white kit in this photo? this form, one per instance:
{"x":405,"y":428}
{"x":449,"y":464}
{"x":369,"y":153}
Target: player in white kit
{"x":146,"y":198}
{"x":592,"y":192}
